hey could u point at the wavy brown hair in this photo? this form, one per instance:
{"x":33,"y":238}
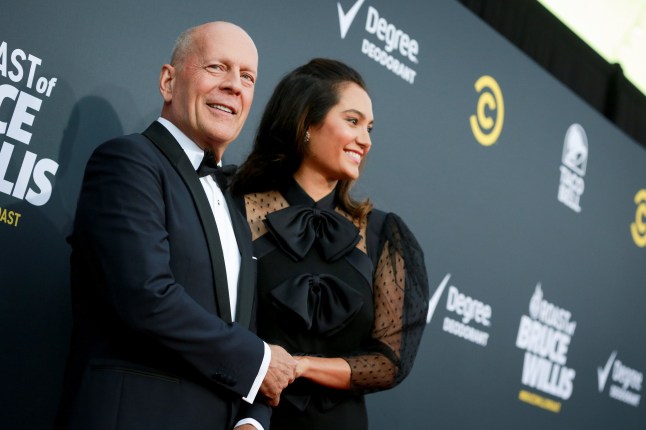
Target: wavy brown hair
{"x":301,"y":100}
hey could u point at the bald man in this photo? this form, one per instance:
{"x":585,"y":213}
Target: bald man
{"x":163,"y":279}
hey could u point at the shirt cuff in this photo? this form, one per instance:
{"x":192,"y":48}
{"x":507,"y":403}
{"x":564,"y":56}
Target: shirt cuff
{"x":251,"y":421}
{"x":264,"y":366}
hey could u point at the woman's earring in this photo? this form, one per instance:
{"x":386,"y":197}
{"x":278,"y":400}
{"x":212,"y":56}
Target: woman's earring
{"x":307,"y":136}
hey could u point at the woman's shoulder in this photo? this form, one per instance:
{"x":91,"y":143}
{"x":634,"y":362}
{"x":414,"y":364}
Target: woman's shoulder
{"x":256,"y":206}
{"x":265,"y":201}
{"x":389,"y":227}
{"x":379,"y":219}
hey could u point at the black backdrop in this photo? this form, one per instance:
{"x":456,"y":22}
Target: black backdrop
{"x":528,"y":202}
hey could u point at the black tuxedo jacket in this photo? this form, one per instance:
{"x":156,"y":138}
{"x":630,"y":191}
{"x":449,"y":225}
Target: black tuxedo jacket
{"x":153,"y":345}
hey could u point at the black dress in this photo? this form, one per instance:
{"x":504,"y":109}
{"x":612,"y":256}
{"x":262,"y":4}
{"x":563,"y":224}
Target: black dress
{"x":333,"y":286}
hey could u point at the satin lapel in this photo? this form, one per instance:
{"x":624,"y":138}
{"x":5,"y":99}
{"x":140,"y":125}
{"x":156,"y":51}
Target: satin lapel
{"x":246,"y":280}
{"x":162,"y":138}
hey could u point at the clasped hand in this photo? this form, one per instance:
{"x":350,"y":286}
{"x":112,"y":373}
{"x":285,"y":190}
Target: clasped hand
{"x":282,"y":372}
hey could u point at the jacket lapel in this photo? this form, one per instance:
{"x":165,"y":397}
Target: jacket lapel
{"x":165,"y":141}
{"x":247,"y":277}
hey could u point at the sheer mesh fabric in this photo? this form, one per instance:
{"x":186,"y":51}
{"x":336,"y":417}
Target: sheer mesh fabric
{"x":257,"y":206}
{"x":400,"y":291}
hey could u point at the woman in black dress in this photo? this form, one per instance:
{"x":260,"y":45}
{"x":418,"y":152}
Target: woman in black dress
{"x":342,"y":286}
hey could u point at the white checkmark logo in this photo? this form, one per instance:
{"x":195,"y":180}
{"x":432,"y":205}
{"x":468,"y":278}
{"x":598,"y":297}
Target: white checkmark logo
{"x":432,"y":304}
{"x":345,"y":19}
{"x":603,"y":373}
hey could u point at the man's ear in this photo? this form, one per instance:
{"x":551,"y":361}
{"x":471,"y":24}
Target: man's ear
{"x":166,"y":82}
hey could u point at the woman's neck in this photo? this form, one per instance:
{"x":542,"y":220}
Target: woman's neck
{"x":316,"y":186}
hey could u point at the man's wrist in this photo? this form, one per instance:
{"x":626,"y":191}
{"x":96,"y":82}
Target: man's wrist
{"x":249,"y":421}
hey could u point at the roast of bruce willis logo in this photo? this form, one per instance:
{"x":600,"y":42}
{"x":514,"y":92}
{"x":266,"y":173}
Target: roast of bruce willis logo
{"x":9,"y":217}
{"x":545,"y":336}
{"x":23,"y":87}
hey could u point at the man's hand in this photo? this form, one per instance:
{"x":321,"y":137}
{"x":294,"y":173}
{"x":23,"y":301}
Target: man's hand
{"x":281,"y":373}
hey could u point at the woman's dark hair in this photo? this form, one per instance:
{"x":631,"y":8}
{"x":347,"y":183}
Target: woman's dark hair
{"x":300,"y":100}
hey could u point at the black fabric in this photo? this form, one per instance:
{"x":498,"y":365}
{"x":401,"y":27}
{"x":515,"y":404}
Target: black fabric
{"x":324,"y":302}
{"x":145,"y":288}
{"x":627,"y":107}
{"x":368,"y":308}
{"x":297,"y":228}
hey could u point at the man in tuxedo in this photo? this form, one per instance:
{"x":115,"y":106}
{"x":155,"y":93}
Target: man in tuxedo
{"x":163,"y":279}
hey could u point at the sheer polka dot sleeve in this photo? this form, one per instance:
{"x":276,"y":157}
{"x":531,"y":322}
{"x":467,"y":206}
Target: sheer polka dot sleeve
{"x":400,"y":291}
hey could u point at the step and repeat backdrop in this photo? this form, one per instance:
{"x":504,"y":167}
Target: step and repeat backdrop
{"x":530,"y":206}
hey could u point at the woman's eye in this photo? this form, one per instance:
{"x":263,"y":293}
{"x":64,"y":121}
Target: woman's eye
{"x":353,"y":121}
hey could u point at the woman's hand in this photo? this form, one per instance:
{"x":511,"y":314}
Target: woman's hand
{"x":329,"y":372}
{"x":302,"y":363}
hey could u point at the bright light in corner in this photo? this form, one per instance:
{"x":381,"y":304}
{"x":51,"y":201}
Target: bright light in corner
{"x":616,"y":29}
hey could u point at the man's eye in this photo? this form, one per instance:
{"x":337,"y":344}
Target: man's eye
{"x":249,"y":77}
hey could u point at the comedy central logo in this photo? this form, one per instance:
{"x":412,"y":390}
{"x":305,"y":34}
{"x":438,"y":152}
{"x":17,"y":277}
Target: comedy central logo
{"x":486,"y":126}
{"x":638,"y":228}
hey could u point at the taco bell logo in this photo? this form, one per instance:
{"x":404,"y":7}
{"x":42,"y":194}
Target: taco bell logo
{"x":574,"y":163}
{"x":575,"y":149}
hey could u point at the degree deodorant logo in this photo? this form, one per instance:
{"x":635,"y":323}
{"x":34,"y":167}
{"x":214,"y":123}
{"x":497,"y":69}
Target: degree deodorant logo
{"x":469,"y":318}
{"x":487,"y":123}
{"x":388,"y":45}
{"x":346,"y":18}
{"x":638,"y":228}
{"x":624,"y":383}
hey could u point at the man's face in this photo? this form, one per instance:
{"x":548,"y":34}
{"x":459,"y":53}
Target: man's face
{"x":209,"y":94}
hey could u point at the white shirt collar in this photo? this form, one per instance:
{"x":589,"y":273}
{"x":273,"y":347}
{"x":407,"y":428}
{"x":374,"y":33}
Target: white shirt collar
{"x":194,"y":153}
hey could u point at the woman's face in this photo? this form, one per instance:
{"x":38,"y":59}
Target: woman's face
{"x":339,"y":144}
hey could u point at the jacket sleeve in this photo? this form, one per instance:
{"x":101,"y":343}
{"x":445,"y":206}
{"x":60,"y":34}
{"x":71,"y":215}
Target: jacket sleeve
{"x":259,"y":411}
{"x":122,"y":228}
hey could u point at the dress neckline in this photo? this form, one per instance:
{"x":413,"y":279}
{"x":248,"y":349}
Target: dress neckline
{"x":295,"y":195}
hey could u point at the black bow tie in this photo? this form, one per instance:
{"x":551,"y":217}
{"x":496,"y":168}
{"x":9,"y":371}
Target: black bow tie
{"x":222,"y":175}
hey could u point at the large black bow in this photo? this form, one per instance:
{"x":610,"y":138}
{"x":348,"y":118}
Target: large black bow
{"x":296,"y":228}
{"x":222,"y":174}
{"x":324,"y":302}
